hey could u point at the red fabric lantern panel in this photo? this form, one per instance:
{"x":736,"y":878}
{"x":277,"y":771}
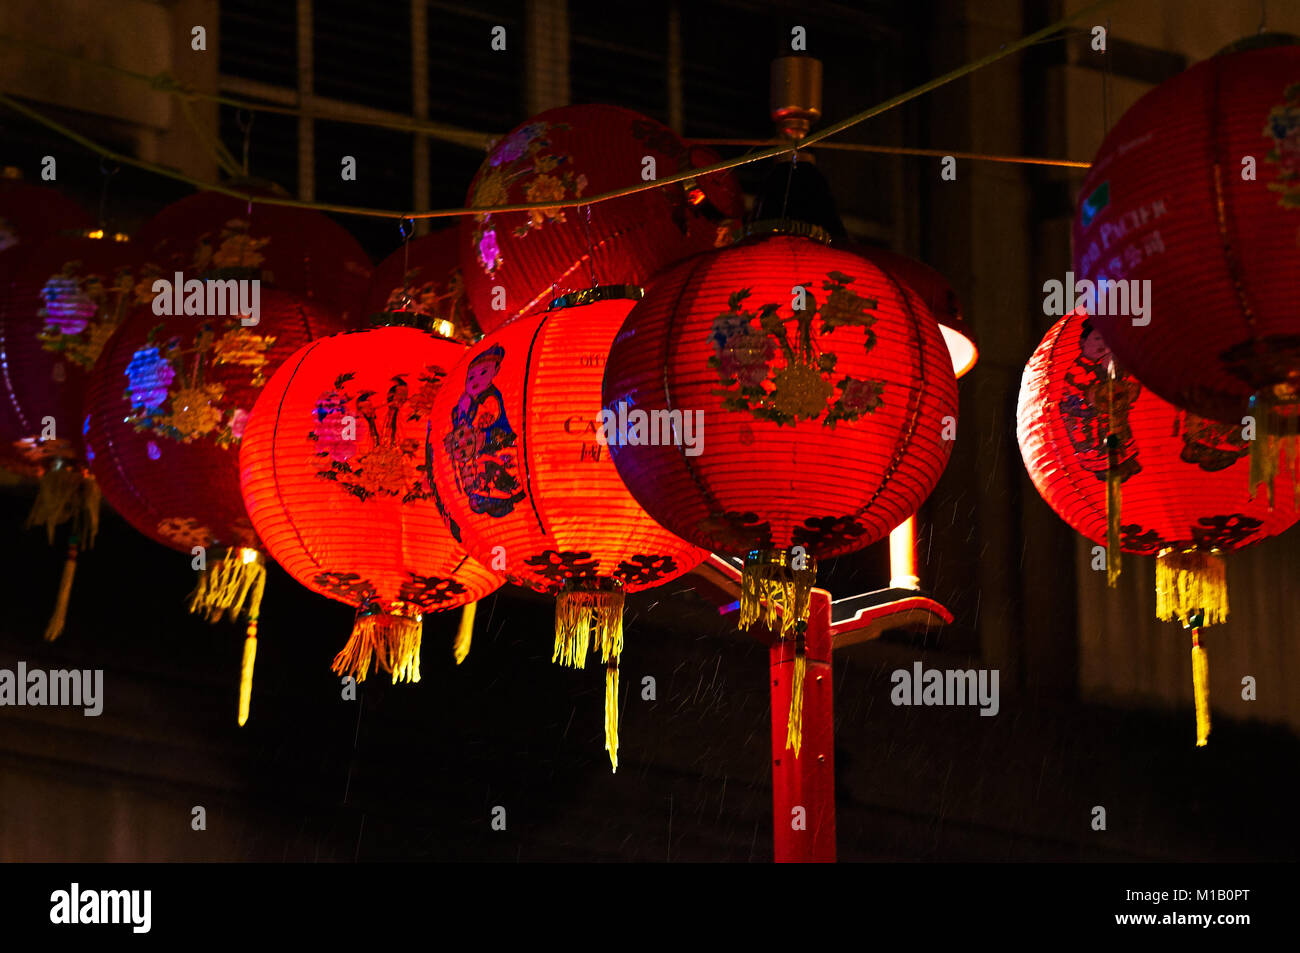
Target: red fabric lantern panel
{"x":528,"y":483}
{"x":424,"y":278}
{"x":30,"y":214}
{"x":1127,"y":469}
{"x":168,"y":404}
{"x":59,"y":304}
{"x":335,"y":466}
{"x":297,"y":251}
{"x":1168,"y":200}
{"x":1182,"y":477}
{"x":823,"y":426}
{"x":568,"y":153}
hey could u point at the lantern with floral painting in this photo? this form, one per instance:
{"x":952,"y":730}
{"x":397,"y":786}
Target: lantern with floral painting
{"x":60,"y":301}
{"x":515,"y":263}
{"x":1191,"y":209}
{"x":167,"y":406}
{"x":828,"y":401}
{"x":334,"y":466}
{"x":210,"y":235}
{"x":423,"y":279}
{"x":1126,"y":469}
{"x":527,"y":482}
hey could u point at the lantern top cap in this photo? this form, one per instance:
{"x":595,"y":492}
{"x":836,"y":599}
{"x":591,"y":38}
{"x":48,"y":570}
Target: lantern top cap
{"x":439,"y":327}
{"x":576,"y":299}
{"x":790,"y":227}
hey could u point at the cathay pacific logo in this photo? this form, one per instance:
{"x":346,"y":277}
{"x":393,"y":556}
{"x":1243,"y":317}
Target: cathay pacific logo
{"x":103,"y":907}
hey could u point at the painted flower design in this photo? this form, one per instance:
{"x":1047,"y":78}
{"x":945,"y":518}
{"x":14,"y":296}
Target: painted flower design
{"x":1134,"y":539}
{"x":238,"y":421}
{"x":430,"y":592}
{"x":150,"y":375}
{"x":557,"y":567}
{"x":489,"y":252}
{"x":67,"y":309}
{"x":828,"y":531}
{"x":195,"y":412}
{"x":513,"y":146}
{"x":643,"y":570}
{"x":1283,"y":126}
{"x":736,"y":531}
{"x":185,"y":532}
{"x":857,"y":399}
{"x":345,"y":586}
{"x":1225,"y":532}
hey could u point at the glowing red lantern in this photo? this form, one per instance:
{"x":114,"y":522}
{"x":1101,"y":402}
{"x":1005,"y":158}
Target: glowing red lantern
{"x":59,"y":302}
{"x":167,"y":407}
{"x":528,"y":483}
{"x":335,"y":467}
{"x":298,"y":251}
{"x":423,"y":279}
{"x":568,"y":153}
{"x":1197,"y":190}
{"x":1129,"y":470}
{"x":829,"y":405}
{"x":30,"y":214}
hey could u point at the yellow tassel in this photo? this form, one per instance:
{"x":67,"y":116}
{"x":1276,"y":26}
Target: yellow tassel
{"x":60,"y":615}
{"x":231,"y":585}
{"x":773,"y":592}
{"x":1114,"y":508}
{"x":246,"y":673}
{"x":1201,"y":689}
{"x":1190,"y":583}
{"x":794,"y":722}
{"x":611,"y":713}
{"x":464,"y":634}
{"x":584,"y":616}
{"x":391,"y":637}
{"x":66,"y":494}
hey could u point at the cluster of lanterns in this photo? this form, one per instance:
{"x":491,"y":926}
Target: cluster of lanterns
{"x":587,"y":401}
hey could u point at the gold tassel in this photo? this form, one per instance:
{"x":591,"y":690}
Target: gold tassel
{"x":1190,"y":583}
{"x":1201,"y":689}
{"x":226,"y":588}
{"x":465,"y":633}
{"x":794,"y":722}
{"x":64,"y":494}
{"x":584,"y":616}
{"x":246,"y":673}
{"x":772,"y":590}
{"x":1114,"y":508}
{"x":250,"y":649}
{"x":60,"y":615}
{"x":391,"y":636}
{"x":611,"y":713}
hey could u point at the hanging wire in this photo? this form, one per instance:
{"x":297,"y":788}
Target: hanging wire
{"x":246,"y":127}
{"x":1263,"y":15}
{"x":405,"y":227}
{"x":107,"y":168}
{"x":591,"y":250}
{"x":723,"y":165}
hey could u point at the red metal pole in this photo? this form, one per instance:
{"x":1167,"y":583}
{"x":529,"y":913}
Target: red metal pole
{"x":803,"y":788}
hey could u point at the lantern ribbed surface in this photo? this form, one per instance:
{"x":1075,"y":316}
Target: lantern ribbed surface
{"x":568,"y":153}
{"x":58,"y":305}
{"x":168,"y":404}
{"x":823,"y":427}
{"x":424,"y":278}
{"x":1172,"y":199}
{"x":335,"y":474}
{"x":30,"y":214}
{"x":299,"y":251}
{"x":526,"y":468}
{"x":1182,"y":477}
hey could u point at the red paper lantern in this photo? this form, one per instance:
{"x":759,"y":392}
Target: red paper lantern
{"x":568,"y":153}
{"x":825,"y":391}
{"x":1127,"y":469}
{"x":30,"y":214}
{"x":423,"y":278}
{"x":59,"y":301}
{"x":335,"y":466}
{"x":168,"y":404}
{"x":528,"y":482}
{"x":1197,"y":190}
{"x":298,"y":251}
